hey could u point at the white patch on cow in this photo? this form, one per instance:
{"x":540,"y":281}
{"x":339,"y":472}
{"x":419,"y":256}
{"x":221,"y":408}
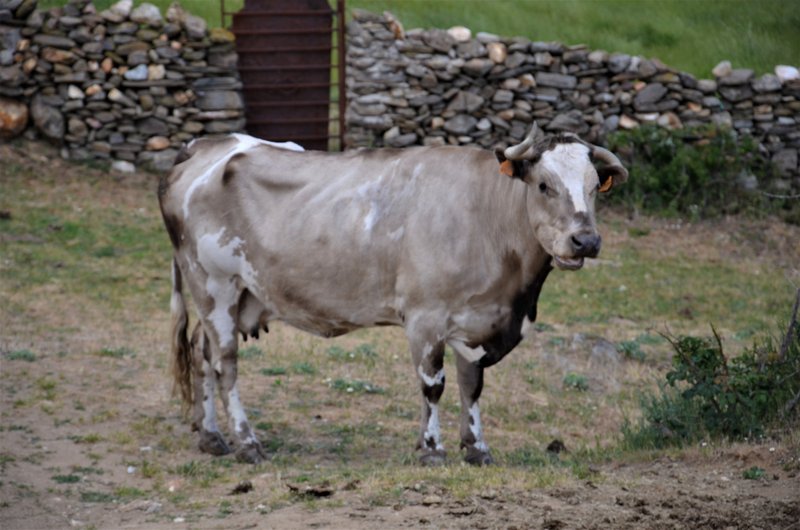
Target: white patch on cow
{"x":397,"y":235}
{"x":427,"y":350}
{"x":570,"y":162}
{"x":289,"y":146}
{"x":223,"y":263}
{"x":237,"y":415}
{"x":244,"y":142}
{"x":432,"y":430}
{"x":470,"y":354}
{"x":437,"y":379}
{"x":475,"y":428}
{"x":370,"y":218}
{"x":209,"y":409}
{"x":526,"y":326}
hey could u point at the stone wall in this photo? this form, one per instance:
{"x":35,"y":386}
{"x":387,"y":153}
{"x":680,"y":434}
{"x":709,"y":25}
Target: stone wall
{"x":439,"y":87}
{"x":124,"y":84}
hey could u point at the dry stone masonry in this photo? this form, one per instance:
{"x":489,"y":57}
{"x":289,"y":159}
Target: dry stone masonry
{"x":437,"y":87}
{"x":126,"y":83}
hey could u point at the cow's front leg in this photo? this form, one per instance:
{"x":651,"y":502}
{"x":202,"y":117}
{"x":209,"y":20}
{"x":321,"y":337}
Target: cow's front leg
{"x":428,"y":356}
{"x":204,"y":416}
{"x":470,"y":384}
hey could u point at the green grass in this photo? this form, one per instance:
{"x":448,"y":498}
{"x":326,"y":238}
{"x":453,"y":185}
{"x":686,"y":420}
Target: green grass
{"x":691,"y":36}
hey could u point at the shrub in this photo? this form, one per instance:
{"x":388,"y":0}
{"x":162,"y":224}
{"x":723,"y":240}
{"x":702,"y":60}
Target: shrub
{"x":696,"y":172}
{"x":707,"y":395}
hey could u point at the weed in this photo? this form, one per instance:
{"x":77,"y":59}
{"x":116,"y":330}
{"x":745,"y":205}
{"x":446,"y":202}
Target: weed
{"x":128,"y":492}
{"x":274,"y":370}
{"x":117,"y":353}
{"x":22,"y":355}
{"x":576,"y":382}
{"x":5,"y":460}
{"x":356,"y":386}
{"x":362,"y":352}
{"x":96,"y":496}
{"x":753,"y":473}
{"x":48,"y":388}
{"x":86,"y":439}
{"x":66,"y":479}
{"x":631,"y":350}
{"x":708,"y":395}
{"x":250,"y":352}
{"x":304,"y":368}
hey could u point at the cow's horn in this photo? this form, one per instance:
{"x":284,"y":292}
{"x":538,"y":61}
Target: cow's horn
{"x":611,"y":160}
{"x":517,"y":152}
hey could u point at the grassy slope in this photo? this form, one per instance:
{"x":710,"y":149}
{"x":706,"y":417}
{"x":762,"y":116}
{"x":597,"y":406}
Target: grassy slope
{"x":692,"y":36}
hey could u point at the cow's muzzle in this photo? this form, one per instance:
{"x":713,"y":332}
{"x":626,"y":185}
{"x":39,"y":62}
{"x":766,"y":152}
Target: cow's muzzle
{"x":583,"y":245}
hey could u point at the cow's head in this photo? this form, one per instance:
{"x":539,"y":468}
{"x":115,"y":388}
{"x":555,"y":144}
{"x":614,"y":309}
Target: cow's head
{"x":562,"y":184}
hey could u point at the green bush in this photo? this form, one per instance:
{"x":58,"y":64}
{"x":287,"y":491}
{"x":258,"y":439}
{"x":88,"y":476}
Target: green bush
{"x":694,"y":172}
{"x":707,"y":395}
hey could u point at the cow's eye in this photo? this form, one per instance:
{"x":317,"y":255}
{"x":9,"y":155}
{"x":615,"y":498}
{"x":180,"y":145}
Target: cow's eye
{"x":543,"y":187}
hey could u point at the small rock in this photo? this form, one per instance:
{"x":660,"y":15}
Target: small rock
{"x":13,"y":117}
{"x":156,"y":72}
{"x":785,"y":161}
{"x":221,"y":36}
{"x":670,"y":120}
{"x":157,"y":143}
{"x":627,"y":122}
{"x":74,"y":92}
{"x":147,"y":14}
{"x":47,"y":119}
{"x":707,"y":86}
{"x":123,"y":166}
{"x":195,"y":27}
{"x":739,"y":76}
{"x":722,"y":69}
{"x":137,"y":74}
{"x":460,"y":124}
{"x":497,"y":52}
{"x":460,"y":33}
{"x":767,"y":83}
{"x":787,"y":73}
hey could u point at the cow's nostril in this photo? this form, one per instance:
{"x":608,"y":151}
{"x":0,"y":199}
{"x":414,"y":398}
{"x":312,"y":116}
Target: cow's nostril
{"x":586,"y":244}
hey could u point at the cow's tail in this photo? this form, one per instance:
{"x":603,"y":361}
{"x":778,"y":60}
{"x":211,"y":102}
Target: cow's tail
{"x":181,"y":351}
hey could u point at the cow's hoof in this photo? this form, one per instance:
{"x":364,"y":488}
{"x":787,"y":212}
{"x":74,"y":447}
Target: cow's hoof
{"x":433,"y":457}
{"x":251,"y":453}
{"x":213,"y":443}
{"x":476,"y":457}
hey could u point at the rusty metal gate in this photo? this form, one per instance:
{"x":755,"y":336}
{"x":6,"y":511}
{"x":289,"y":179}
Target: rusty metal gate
{"x":291,"y":61}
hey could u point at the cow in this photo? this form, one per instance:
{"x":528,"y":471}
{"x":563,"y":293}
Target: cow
{"x":451,"y":243}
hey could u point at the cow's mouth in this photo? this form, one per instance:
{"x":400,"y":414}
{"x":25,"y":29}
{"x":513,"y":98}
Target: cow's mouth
{"x":568,"y":264}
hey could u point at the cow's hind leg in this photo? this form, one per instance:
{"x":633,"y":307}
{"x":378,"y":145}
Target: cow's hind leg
{"x":220,"y":325}
{"x":428,"y":357}
{"x":470,"y":384}
{"x":204,"y":415}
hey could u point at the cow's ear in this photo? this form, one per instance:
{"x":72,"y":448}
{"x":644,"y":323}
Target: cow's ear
{"x":612,"y":172}
{"x":510,"y":168}
{"x":611,"y":176}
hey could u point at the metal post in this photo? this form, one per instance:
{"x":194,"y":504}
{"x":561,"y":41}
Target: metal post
{"x":342,"y":72}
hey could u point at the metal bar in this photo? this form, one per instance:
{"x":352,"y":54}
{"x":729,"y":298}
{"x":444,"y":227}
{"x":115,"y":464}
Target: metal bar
{"x":262,"y":32}
{"x":315,"y":103}
{"x":342,"y":70}
{"x":286,"y":13}
{"x":262,"y":86}
{"x":280,"y":50}
{"x":289,"y":121}
{"x":283,"y":67}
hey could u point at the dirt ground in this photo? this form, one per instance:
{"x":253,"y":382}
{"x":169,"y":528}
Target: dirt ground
{"x":90,"y":437}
